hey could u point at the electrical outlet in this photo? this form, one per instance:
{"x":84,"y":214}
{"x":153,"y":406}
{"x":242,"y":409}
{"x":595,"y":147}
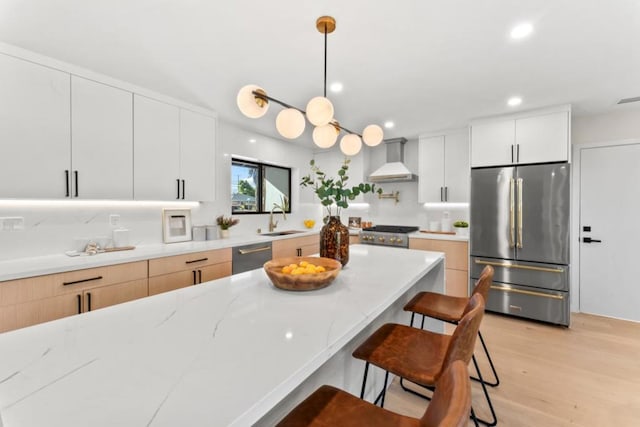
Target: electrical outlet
{"x":114,"y":220}
{"x":12,"y":223}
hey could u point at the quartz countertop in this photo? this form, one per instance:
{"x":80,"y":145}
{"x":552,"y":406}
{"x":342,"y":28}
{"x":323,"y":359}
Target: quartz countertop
{"x":435,"y":236}
{"x":56,"y":263}
{"x":220,"y":353}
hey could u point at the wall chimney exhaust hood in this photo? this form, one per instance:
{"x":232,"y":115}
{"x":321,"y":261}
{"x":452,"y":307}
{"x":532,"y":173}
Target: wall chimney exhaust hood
{"x":394,"y":169}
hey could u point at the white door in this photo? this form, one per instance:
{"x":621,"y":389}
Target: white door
{"x":102,"y":140}
{"x":156,"y":150}
{"x":543,"y":138}
{"x":431,"y":168}
{"x":456,"y":167}
{"x":35,"y":128}
{"x":197,"y":156}
{"x":492,"y":143}
{"x":609,"y":204}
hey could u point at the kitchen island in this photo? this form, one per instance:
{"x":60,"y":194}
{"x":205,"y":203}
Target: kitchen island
{"x":234,"y":351}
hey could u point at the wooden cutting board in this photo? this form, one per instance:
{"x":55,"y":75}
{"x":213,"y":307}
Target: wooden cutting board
{"x":438,"y":232}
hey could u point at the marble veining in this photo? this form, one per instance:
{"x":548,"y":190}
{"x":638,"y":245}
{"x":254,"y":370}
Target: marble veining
{"x":221,"y":353}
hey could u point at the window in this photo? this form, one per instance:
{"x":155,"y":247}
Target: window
{"x":255,"y":187}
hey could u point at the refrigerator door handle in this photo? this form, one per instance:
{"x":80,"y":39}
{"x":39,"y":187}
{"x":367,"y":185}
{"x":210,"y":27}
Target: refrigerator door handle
{"x":511,"y":212}
{"x":520,"y":244}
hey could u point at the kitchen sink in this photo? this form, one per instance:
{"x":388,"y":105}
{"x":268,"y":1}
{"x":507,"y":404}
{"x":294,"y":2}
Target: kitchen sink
{"x":283,"y":233}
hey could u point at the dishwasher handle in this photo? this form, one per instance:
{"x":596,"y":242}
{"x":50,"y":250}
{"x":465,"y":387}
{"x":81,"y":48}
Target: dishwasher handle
{"x":253,"y":251}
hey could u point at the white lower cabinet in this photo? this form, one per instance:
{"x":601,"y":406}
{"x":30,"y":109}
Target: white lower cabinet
{"x":444,"y":168}
{"x":35,"y":130}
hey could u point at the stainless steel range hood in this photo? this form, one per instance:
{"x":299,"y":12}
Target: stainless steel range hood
{"x":394,"y":170}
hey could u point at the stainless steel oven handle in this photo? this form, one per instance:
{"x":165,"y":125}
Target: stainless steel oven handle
{"x":523,"y":292}
{"x":521,"y":267}
{"x":520,"y":186}
{"x":511,"y":212}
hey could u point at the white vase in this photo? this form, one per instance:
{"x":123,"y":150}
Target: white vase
{"x":224,"y":234}
{"x":462,"y":231}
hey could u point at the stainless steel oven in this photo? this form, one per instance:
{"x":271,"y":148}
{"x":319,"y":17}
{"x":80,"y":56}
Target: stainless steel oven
{"x":387,"y":235}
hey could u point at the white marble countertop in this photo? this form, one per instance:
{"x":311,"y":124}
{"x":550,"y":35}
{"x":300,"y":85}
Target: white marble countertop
{"x":220,"y":353}
{"x":421,"y":235}
{"x":56,"y":263}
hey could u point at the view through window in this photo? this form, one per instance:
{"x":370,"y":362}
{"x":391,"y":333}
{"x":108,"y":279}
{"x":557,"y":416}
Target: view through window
{"x":255,"y":187}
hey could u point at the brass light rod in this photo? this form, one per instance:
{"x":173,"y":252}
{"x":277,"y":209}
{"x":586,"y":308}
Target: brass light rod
{"x":284,"y":104}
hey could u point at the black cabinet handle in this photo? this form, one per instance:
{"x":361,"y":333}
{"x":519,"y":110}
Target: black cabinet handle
{"x":66,"y":177}
{"x":194,"y":277}
{"x":75,"y":282}
{"x":199,"y":276}
{"x":178,"y":188}
{"x":441,"y":194}
{"x":196,"y":260}
{"x":511,"y":153}
{"x":446,"y":194}
{"x":75,"y":175}
{"x":590,"y":240}
{"x":183,"y":191}
{"x":518,"y":153}
{"x":88,"y":301}
{"x":79,"y":303}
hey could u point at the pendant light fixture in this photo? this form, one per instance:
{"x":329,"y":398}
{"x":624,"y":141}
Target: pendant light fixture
{"x":253,"y":102}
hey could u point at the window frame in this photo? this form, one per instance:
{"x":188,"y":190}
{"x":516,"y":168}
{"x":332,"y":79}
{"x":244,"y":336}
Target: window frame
{"x":260,"y":190}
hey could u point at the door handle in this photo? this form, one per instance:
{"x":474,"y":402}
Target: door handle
{"x":79,"y":303}
{"x":75,"y":174}
{"x":88,"y":301}
{"x":195,"y":282}
{"x":511,"y":212}
{"x":512,"y":153}
{"x":590,"y":240}
{"x":252,"y":251}
{"x":183,"y":189}
{"x":178,"y":191}
{"x":446,"y":194}
{"x":66,"y":174}
{"x":441,"y":194}
{"x":520,"y":244}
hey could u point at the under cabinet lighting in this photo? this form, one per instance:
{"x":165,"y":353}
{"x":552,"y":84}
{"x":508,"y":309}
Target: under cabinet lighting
{"x":445,"y":205}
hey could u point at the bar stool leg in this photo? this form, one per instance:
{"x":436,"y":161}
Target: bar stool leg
{"x":364,"y":380}
{"x":486,"y":395}
{"x":493,"y":369}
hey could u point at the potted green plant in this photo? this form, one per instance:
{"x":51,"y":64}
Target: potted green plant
{"x":225,"y":223}
{"x":462,"y":228}
{"x":334,"y":194}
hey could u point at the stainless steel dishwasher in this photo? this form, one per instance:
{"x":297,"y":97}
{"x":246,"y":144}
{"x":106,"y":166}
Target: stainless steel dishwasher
{"x":250,"y":257}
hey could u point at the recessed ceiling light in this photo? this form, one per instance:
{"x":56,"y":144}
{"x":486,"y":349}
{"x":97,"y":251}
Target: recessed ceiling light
{"x":389,"y":124}
{"x":521,"y":31}
{"x":336,"y":87}
{"x":252,"y":140}
{"x":514,"y":101}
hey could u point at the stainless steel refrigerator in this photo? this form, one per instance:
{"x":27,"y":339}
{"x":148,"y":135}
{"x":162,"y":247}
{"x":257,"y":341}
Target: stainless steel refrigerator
{"x":519,"y":219}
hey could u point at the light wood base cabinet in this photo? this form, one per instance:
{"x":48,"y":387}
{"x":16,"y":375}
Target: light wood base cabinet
{"x":354,"y":240}
{"x":299,"y":246}
{"x":34,"y":300}
{"x":170,"y":273}
{"x":456,"y":261}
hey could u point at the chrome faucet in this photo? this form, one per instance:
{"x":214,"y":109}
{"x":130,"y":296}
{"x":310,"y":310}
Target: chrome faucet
{"x":283,"y":208}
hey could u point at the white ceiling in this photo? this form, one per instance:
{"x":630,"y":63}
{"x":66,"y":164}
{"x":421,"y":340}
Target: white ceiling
{"x":427,"y":65}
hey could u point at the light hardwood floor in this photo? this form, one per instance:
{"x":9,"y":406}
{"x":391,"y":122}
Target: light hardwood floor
{"x":587,"y":375}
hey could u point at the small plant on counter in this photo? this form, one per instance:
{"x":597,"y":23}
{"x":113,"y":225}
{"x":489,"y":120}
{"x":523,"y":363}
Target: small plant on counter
{"x":461,"y":224}
{"x":335,"y":191}
{"x":226,"y":223}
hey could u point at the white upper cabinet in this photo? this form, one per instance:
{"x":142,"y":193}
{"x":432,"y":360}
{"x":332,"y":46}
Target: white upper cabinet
{"x":156,"y":143}
{"x":535,"y":137}
{"x":174,"y":152}
{"x":492,"y":143}
{"x":34,"y":130}
{"x":197,"y":156}
{"x":102,"y":141}
{"x":444,"y":168}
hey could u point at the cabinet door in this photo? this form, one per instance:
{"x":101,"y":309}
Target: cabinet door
{"x":213,"y":272}
{"x":105,"y":296}
{"x":172,"y":281}
{"x":284,"y":248}
{"x":102,"y":132}
{"x":492,"y":143}
{"x":197,"y":156}
{"x":456,"y":167}
{"x":431,"y":153}
{"x":44,"y":310}
{"x":543,"y":138}
{"x":35,"y":129}
{"x":156,"y":149}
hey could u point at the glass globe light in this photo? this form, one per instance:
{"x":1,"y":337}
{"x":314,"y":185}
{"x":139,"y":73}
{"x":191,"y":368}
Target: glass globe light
{"x":290,"y":123}
{"x":325,"y":136}
{"x":372,"y":135}
{"x":319,"y":111}
{"x":350,"y":144}
{"x":249,"y":105}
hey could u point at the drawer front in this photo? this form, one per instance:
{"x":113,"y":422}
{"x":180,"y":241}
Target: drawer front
{"x":545,"y":276}
{"x":35,"y":288}
{"x":456,"y":255}
{"x":172,"y":264}
{"x":531,"y":303}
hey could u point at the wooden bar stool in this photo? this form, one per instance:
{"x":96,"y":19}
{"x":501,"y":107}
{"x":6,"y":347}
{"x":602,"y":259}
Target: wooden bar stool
{"x":329,"y":406}
{"x":421,"y":356}
{"x":449,"y":309}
